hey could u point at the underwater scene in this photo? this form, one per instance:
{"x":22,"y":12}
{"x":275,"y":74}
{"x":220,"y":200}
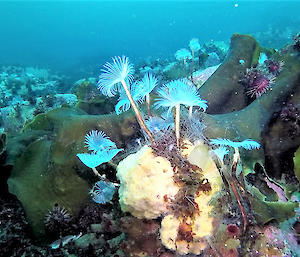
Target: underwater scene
{"x":149,"y":128}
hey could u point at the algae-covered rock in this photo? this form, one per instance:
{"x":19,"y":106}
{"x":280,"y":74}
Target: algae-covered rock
{"x":89,"y":99}
{"x":297,"y":164}
{"x":266,"y":211}
{"x":176,"y":71}
{"x":40,"y":184}
{"x":223,"y":91}
{"x":45,"y":172}
{"x":259,"y":120}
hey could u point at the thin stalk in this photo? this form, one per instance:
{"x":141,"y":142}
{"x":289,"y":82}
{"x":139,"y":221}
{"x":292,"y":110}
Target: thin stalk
{"x":190,"y":111}
{"x":219,"y":167}
{"x":177,"y":124}
{"x":148,"y":105}
{"x":96,"y":172}
{"x":137,"y":112}
{"x":233,"y":183}
{"x":241,"y":206}
{"x":192,"y":65}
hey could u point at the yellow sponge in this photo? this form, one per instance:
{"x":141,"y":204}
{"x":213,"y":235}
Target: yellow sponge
{"x":146,"y":184}
{"x":188,"y":234}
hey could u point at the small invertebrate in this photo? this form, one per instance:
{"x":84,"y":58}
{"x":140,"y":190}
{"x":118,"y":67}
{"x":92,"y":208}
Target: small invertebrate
{"x":274,"y":66}
{"x":57,"y":219}
{"x":257,"y":82}
{"x":232,"y":230}
{"x":102,"y":192}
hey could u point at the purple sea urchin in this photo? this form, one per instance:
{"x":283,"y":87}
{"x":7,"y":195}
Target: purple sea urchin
{"x":256,"y":82}
{"x":261,"y":85}
{"x":274,"y":66}
{"x":290,"y":112}
{"x":57,"y":219}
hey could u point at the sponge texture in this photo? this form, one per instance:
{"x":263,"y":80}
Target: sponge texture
{"x":146,"y":183}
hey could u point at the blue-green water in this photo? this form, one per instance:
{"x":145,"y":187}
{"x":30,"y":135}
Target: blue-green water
{"x":56,"y":34}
